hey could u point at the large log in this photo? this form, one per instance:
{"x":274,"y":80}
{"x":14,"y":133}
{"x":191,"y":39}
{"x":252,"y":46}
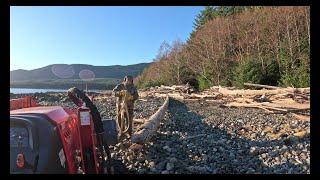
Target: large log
{"x":150,"y":127}
{"x":261,"y":86}
{"x":282,"y":106}
{"x":228,"y":92}
{"x":167,"y":87}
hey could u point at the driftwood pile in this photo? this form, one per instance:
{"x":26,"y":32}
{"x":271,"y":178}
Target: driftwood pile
{"x":272,"y":99}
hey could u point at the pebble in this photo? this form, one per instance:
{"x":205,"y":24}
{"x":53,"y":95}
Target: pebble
{"x":264,"y":155}
{"x":169,"y":166}
{"x":167,"y":148}
{"x":161,"y":165}
{"x":151,"y":164}
{"x":253,"y":150}
{"x":165,"y":172}
{"x":173,"y":160}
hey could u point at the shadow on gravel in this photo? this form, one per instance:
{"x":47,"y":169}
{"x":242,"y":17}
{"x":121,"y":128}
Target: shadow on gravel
{"x":215,"y":151}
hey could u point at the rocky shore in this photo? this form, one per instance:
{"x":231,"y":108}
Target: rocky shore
{"x":205,"y":137}
{"x":199,"y":137}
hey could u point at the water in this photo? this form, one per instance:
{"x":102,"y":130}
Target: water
{"x":28,"y":90}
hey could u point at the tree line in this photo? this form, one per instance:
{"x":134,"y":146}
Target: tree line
{"x":231,"y":45}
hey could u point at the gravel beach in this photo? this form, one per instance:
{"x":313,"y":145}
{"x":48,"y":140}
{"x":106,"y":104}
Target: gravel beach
{"x":206,"y":138}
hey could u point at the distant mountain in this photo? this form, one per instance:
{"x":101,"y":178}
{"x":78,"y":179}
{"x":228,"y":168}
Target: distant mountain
{"x":61,"y":71}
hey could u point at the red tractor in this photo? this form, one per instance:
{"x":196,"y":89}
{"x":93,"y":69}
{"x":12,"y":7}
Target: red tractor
{"x":55,"y":139}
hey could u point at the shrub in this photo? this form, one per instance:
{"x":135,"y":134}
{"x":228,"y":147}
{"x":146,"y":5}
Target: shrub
{"x":299,"y":77}
{"x":204,"y":83}
{"x":248,"y":71}
{"x":272,"y":74}
{"x":228,"y":76}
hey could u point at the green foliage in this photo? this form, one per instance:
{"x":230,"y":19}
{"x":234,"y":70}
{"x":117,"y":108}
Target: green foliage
{"x":186,"y":74}
{"x":272,"y":74}
{"x":204,"y":82}
{"x":229,"y":76}
{"x":230,"y":10}
{"x":294,"y":72}
{"x":299,"y":77}
{"x":204,"y":16}
{"x":249,"y":71}
{"x":210,"y":12}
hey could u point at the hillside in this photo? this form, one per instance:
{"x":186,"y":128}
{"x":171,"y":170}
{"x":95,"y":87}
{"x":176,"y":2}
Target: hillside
{"x":98,"y":83}
{"x":64,"y":76}
{"x":46,"y":73}
{"x":234,"y":45}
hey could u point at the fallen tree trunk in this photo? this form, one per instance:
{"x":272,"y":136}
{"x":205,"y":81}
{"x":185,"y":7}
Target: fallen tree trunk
{"x":171,"y":95}
{"x":167,"y":87}
{"x":261,"y":86}
{"x":272,"y":106}
{"x":227,"y":92}
{"x":150,"y":127}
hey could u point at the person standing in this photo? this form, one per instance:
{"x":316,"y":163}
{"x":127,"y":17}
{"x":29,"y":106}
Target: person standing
{"x":126,"y":93}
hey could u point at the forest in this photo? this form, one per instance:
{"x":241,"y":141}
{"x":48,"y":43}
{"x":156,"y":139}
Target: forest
{"x":232,"y":45}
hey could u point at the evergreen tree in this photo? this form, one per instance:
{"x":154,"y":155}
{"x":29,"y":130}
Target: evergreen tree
{"x":211,"y":12}
{"x":204,"y":16}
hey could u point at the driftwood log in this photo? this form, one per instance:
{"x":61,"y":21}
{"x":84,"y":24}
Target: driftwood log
{"x":150,"y":127}
{"x":227,"y":92}
{"x":261,"y":86}
{"x":286,"y":105}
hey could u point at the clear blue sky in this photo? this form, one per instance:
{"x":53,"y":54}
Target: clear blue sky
{"x":40,"y":36}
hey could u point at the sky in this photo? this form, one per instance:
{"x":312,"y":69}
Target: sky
{"x":40,"y":36}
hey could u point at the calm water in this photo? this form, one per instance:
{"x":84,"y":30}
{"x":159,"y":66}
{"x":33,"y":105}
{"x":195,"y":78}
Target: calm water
{"x":27,"y":90}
